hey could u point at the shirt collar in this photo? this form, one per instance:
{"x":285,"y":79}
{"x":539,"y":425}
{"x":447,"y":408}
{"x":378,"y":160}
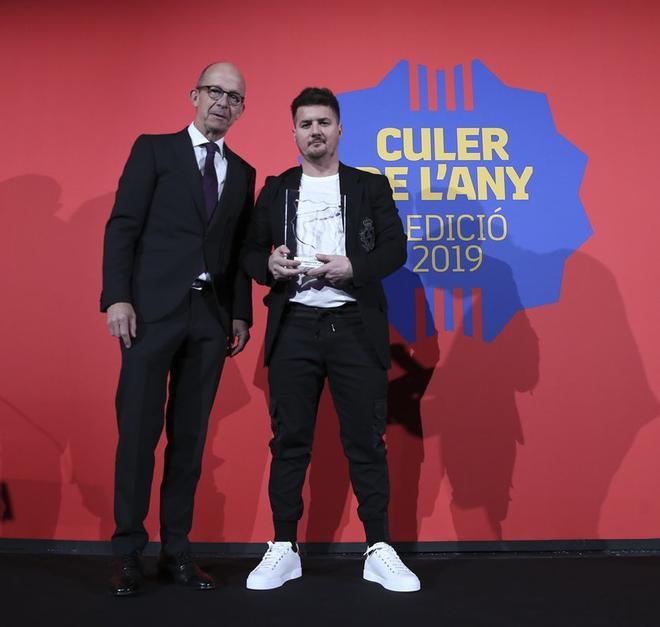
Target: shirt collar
{"x":198,"y":139}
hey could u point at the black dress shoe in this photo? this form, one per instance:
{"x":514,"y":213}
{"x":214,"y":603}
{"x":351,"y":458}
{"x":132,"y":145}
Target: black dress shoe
{"x":127,"y":576}
{"x":184,"y":571}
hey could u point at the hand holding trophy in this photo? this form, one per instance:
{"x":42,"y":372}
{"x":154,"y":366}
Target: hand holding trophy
{"x":280,"y":266}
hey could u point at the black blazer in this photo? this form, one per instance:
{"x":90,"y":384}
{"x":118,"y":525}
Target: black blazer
{"x":159,"y":238}
{"x":375,"y":245}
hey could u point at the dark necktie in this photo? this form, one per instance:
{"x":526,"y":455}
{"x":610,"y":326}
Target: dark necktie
{"x":210,"y":179}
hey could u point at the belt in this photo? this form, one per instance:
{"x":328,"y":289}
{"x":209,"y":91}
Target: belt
{"x":200,"y":285}
{"x":323,"y":311}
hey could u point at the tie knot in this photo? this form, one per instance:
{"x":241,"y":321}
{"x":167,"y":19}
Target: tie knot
{"x":211,"y":149}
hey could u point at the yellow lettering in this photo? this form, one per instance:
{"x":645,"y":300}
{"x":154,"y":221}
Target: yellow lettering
{"x":425,"y":176}
{"x":520,"y":181}
{"x":464,"y":144}
{"x":439,"y":146}
{"x":410,"y":227}
{"x":494,"y":140}
{"x":391,"y":172}
{"x":485,"y":181}
{"x":460,"y":183}
{"x":429,"y":229}
{"x":409,"y":144}
{"x":381,"y":142}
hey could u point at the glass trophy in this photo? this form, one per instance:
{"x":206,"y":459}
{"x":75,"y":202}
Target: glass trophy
{"x":314,"y":226}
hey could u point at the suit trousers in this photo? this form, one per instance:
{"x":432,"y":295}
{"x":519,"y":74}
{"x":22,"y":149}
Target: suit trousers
{"x":312,"y":344}
{"x":188,"y":347}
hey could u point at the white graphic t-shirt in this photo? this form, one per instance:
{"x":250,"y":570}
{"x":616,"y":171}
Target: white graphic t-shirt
{"x":319,"y":228}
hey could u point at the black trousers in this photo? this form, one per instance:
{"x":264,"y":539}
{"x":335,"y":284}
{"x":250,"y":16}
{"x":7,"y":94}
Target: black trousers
{"x":313,"y":344}
{"x":189,"y":348}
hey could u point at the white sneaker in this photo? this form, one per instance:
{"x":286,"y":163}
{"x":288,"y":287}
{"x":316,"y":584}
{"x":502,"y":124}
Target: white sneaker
{"x":385,"y":567}
{"x":279,"y":564}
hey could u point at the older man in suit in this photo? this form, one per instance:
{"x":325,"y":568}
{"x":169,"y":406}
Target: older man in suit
{"x":179,"y":303}
{"x":336,"y":233}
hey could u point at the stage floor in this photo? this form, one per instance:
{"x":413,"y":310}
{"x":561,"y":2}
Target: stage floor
{"x":475,"y":590}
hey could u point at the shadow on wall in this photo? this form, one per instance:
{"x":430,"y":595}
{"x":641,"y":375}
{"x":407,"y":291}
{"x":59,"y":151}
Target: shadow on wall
{"x":413,"y":365}
{"x":461,"y":407}
{"x":57,"y":410}
{"x":581,"y":412}
{"x":30,"y":448}
{"x":6,"y":512}
{"x":55,"y":455}
{"x":467,"y":415}
{"x":210,"y":500}
{"x":593,"y":400}
{"x":472,"y":409}
{"x":588,"y":396}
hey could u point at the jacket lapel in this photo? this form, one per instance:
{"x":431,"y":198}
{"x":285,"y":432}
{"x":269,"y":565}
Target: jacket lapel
{"x":187,"y":165}
{"x":351,"y":188}
{"x":234,"y":182}
{"x":290,"y":182}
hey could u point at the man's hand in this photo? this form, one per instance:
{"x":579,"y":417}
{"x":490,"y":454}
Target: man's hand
{"x":336,"y":269}
{"x":280,"y":266}
{"x":240,"y":337}
{"x":122,"y":322}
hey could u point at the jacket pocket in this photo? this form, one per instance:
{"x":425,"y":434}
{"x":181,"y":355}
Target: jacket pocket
{"x":274,"y":426}
{"x":379,"y":424}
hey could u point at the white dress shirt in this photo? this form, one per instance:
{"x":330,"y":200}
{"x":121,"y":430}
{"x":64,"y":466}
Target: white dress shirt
{"x":219,"y":161}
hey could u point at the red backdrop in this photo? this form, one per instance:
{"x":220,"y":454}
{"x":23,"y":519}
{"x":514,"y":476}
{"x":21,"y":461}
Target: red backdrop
{"x":82,"y":79}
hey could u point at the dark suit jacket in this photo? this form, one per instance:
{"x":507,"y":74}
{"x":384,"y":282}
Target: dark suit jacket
{"x":159,"y":238}
{"x":375,"y":245}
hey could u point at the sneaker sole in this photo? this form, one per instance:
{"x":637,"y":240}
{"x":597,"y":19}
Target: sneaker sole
{"x":373,"y":577}
{"x":274,"y":583}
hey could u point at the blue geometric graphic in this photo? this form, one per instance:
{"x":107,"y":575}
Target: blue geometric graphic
{"x":489,"y":197}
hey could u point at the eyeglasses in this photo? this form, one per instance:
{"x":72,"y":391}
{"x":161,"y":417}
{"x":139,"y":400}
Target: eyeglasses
{"x":216,"y":93}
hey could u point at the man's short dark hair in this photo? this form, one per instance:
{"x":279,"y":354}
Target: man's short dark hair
{"x":315,"y":96}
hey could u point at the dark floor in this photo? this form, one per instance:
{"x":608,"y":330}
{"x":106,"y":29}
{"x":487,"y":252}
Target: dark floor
{"x":465,"y":590}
